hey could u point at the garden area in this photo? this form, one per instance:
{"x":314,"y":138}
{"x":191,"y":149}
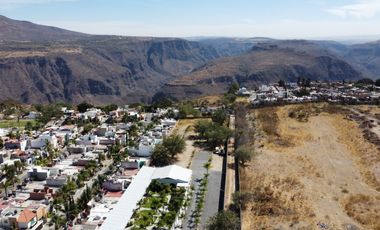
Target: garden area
{"x":17,"y":124}
{"x":159,"y":207}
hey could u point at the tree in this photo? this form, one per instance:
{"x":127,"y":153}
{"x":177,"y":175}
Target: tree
{"x":87,"y":128}
{"x":224,"y":220}
{"x":10,"y":175}
{"x":82,"y":107}
{"x":281,"y":83}
{"x":201,"y":127}
{"x":219,"y":116}
{"x":29,"y":126}
{"x":160,"y":100}
{"x":241,"y":199}
{"x":110,"y":107}
{"x":174,"y":144}
{"x":19,"y":166}
{"x":229,"y":99}
{"x":11,"y":135}
{"x":48,"y":112}
{"x":213,"y":133}
{"x":365,"y":81}
{"x":133,"y":131}
{"x":160,"y":156}
{"x":186,"y":110}
{"x":233,"y":88}
{"x":244,"y":154}
{"x":207,"y":166}
{"x":377,"y":82}
{"x":127,"y":118}
{"x":4,"y":185}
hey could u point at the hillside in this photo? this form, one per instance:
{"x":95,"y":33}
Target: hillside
{"x":367,"y":55}
{"x":13,"y":30}
{"x":264,"y":63}
{"x":42,"y":64}
{"x":232,"y":46}
{"x":100,"y":69}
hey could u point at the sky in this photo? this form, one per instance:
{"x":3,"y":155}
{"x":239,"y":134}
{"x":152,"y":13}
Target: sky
{"x":189,"y":18}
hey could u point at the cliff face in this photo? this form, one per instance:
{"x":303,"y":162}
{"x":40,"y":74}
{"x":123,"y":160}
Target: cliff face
{"x":41,"y":64}
{"x":265,"y":63}
{"x":101,"y":71}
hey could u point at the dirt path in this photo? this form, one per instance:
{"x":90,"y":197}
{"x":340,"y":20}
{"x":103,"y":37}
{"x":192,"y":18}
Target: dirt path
{"x":315,"y":181}
{"x":184,"y":128}
{"x":230,"y":170}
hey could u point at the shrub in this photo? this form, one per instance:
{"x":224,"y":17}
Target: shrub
{"x":224,"y":220}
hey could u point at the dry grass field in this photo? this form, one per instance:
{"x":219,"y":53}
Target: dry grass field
{"x":314,"y":170}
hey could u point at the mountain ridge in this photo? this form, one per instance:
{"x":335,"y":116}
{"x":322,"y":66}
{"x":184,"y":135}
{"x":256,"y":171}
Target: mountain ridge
{"x":72,"y":67}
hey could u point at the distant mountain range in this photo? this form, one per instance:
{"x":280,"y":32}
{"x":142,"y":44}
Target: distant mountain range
{"x":41,"y":64}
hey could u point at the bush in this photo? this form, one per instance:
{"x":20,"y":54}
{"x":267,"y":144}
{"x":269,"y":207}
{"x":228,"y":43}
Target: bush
{"x":82,"y":107}
{"x":377,"y":82}
{"x":219,"y":116}
{"x":186,"y":110}
{"x":224,"y":220}
{"x":244,"y":154}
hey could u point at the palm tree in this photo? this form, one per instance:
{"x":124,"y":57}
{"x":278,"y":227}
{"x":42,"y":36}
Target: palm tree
{"x":10,"y":175}
{"x":207,"y":166}
{"x":51,"y":151}
{"x":20,"y":166}
{"x":5,"y":185}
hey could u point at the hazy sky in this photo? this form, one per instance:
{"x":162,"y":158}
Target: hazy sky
{"x":184,"y":18}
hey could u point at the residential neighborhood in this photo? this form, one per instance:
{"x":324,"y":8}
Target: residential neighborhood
{"x":88,"y":170}
{"x":134,"y":166}
{"x":290,"y":93}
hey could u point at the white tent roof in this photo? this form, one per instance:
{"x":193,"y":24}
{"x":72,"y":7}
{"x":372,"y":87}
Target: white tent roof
{"x":123,"y":211}
{"x":174,"y":172}
{"x":121,"y":214}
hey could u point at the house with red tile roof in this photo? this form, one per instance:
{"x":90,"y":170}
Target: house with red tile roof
{"x":26,"y":219}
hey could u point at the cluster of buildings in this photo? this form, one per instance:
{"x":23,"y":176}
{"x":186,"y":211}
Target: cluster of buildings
{"x":339,"y":92}
{"x":58,"y":153}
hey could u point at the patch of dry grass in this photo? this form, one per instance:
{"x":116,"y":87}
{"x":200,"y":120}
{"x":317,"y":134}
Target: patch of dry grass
{"x":364,"y":209}
{"x":212,"y":100}
{"x":368,"y":154}
{"x":303,"y":112}
{"x":268,"y":120}
{"x":274,"y":201}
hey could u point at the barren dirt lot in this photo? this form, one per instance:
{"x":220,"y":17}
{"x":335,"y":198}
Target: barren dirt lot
{"x":314,"y":170}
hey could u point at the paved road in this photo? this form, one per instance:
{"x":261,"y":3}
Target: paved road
{"x":198,"y":172}
{"x":90,"y":182}
{"x":213,"y":189}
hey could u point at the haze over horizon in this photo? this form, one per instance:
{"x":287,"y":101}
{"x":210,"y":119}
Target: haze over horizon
{"x":185,"y":18}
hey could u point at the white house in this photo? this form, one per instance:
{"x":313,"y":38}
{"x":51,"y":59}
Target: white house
{"x":33,"y":115}
{"x":56,"y":181}
{"x":88,"y":140}
{"x":38,"y":173}
{"x":145,"y":146}
{"x":115,"y":184}
{"x":41,"y":141}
